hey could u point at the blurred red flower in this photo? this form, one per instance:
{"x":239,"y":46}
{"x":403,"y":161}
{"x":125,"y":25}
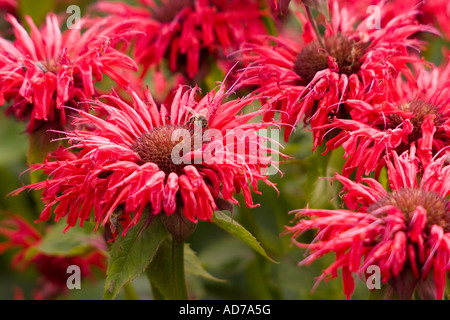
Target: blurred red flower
{"x":187,"y":31}
{"x":22,"y":235}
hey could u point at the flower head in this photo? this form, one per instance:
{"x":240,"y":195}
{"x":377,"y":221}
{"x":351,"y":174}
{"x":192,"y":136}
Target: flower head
{"x":187,"y":31}
{"x":43,"y":71}
{"x":404,"y":230}
{"x":21,"y":235}
{"x":183,"y":160}
{"x":409,"y":114}
{"x":310,"y":79}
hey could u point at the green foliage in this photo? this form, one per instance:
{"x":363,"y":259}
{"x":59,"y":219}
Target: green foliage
{"x":130,"y":255}
{"x":75,"y":241}
{"x":234,"y":228}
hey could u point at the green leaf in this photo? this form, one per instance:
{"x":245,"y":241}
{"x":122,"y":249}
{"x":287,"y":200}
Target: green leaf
{"x":74,"y":241}
{"x":193,"y":265}
{"x":130,"y":255}
{"x":234,"y":228}
{"x":161,"y":272}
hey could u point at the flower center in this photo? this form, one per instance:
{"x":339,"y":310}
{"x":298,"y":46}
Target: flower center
{"x":420,"y":109}
{"x":166,"y":11}
{"x":407,"y":200}
{"x":314,"y":58}
{"x":157,"y":145}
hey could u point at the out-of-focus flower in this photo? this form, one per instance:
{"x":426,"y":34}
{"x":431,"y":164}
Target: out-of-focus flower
{"x":405,"y":230}
{"x":8,"y":6}
{"x":438,"y":13}
{"x":52,"y":269}
{"x":415,"y":112}
{"x":43,"y":71}
{"x":189,"y":32}
{"x":158,"y":159}
{"x":310,"y":79}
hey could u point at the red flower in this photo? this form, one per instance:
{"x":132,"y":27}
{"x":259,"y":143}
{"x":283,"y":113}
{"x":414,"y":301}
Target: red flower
{"x":437,"y":12}
{"x":53,"y":269}
{"x":310,"y":80}
{"x":128,"y":163}
{"x":48,"y":69}
{"x":405,"y":231}
{"x":187,"y":31}
{"x":414,"y":112}
{"x":9,"y":6}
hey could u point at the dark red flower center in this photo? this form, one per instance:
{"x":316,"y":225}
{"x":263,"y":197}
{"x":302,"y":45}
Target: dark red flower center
{"x":408,"y":199}
{"x":420,"y":110}
{"x":158,"y":145}
{"x":313,"y":58}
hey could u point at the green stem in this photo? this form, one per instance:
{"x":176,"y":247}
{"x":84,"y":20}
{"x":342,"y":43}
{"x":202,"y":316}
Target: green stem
{"x":314,"y":26}
{"x":157,"y":295}
{"x":178,"y":269}
{"x":130,"y":292}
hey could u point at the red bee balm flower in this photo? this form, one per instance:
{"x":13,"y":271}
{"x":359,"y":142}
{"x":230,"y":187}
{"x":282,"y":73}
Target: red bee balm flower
{"x":147,"y":158}
{"x":50,"y":69}
{"x":404,"y":231}
{"x":310,"y":80}
{"x":186,"y":30}
{"x":410,"y":114}
{"x":53,"y":269}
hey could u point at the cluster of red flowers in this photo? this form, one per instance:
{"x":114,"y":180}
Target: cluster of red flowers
{"x":357,"y":81}
{"x":369,"y":91}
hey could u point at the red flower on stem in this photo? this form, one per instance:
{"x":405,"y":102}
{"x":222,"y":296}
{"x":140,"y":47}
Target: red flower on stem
{"x":127,"y":163}
{"x":405,"y":230}
{"x":414,"y":112}
{"x":309,"y":80}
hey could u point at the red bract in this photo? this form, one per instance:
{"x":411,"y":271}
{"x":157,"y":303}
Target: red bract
{"x":405,"y":231}
{"x":127,"y":163}
{"x":187,"y":31}
{"x":52,"y":268}
{"x":310,"y":80}
{"x":414,"y":112}
{"x":48,"y":69}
